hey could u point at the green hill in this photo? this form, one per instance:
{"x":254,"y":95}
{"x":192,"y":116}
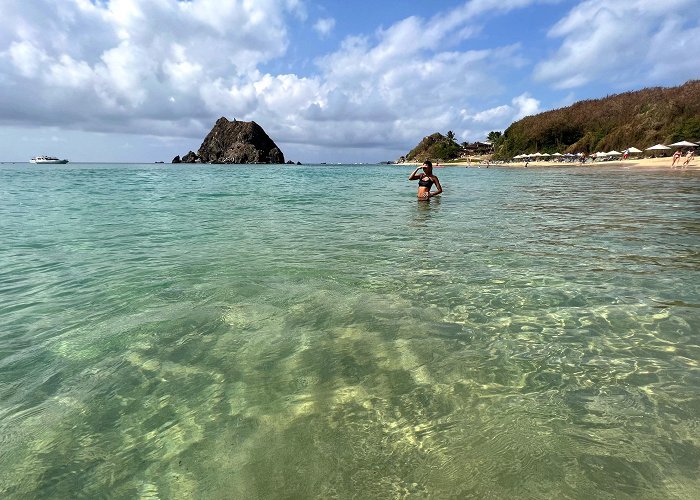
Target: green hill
{"x":641,"y":119}
{"x":435,"y":147}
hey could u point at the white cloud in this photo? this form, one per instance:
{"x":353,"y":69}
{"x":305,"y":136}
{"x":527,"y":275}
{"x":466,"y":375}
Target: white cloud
{"x":27,"y":58}
{"x":675,"y":49}
{"x":68,"y":72}
{"x":499,"y":117}
{"x":170,"y":67}
{"x":123,"y":58}
{"x":497,"y":114}
{"x":525,"y":106}
{"x":184,"y":73}
{"x":629,"y":42}
{"x":324,"y":26}
{"x":126,"y":68}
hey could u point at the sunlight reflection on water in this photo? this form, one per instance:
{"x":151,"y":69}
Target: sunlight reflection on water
{"x":171,"y":332}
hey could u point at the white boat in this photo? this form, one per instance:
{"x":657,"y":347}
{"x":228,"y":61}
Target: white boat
{"x":48,"y":159}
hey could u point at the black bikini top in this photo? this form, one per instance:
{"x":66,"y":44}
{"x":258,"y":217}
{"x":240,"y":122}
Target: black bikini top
{"x":428,"y":182}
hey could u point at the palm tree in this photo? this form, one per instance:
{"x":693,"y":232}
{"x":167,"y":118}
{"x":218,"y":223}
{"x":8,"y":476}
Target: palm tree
{"x":450,"y":136}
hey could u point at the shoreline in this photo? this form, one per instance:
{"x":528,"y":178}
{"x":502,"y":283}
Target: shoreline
{"x":646,"y":163}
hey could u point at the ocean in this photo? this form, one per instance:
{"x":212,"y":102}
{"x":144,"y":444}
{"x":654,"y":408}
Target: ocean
{"x":212,"y":331}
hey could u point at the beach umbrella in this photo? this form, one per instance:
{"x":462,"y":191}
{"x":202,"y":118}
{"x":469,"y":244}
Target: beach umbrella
{"x":538,"y":154}
{"x":614,"y":153}
{"x":684,"y":144}
{"x":557,"y":154}
{"x":657,"y":147}
{"x":546,"y":154}
{"x":633,"y":150}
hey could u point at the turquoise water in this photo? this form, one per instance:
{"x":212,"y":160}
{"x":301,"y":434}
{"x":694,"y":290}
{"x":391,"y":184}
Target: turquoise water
{"x":315,"y":332}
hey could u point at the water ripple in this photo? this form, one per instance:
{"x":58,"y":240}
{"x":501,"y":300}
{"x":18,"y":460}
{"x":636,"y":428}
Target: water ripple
{"x":168,"y":332}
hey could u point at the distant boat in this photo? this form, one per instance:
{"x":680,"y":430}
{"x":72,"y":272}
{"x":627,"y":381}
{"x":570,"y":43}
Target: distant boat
{"x":48,"y":159}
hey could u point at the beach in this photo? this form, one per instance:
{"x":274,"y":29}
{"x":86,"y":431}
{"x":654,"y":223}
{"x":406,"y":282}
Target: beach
{"x":171,"y":332}
{"x":654,"y":163}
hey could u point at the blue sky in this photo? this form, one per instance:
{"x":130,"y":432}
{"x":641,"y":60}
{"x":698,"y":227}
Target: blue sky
{"x":334,"y":81}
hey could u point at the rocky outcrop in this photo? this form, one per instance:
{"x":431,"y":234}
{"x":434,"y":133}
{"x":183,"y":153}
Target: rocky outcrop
{"x":235,"y":142}
{"x":191,"y":157}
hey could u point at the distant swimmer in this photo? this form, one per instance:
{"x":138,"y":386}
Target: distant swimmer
{"x":426,"y":179}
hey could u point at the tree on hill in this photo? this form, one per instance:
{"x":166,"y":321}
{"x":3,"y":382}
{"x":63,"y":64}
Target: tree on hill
{"x":494,"y":136}
{"x":435,"y":147}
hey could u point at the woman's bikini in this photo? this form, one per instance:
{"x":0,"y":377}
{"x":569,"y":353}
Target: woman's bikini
{"x":425,"y":182}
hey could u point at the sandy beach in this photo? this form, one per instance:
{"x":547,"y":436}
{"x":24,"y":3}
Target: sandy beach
{"x":646,"y":163}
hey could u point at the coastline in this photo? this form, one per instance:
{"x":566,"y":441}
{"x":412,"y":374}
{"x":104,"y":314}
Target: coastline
{"x":646,"y":163}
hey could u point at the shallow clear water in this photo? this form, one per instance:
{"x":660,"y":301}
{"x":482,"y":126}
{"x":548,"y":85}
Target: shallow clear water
{"x":315,"y":332}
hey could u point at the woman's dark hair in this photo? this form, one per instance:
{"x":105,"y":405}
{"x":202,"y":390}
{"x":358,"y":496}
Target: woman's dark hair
{"x":428,"y":163}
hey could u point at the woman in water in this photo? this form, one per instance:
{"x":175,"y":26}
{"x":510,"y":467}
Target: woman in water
{"x":426,"y":179}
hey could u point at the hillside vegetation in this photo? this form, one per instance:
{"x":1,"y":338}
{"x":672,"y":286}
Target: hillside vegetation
{"x":641,"y":119}
{"x":435,"y":147}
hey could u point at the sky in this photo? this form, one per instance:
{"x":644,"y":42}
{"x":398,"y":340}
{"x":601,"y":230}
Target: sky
{"x":329,"y":81}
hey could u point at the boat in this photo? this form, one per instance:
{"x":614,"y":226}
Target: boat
{"x":48,"y":159}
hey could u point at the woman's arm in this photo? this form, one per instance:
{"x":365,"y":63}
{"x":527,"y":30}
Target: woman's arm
{"x":437,"y":185}
{"x":414,"y":175}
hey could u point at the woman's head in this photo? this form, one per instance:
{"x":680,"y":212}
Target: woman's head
{"x":428,"y":167}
